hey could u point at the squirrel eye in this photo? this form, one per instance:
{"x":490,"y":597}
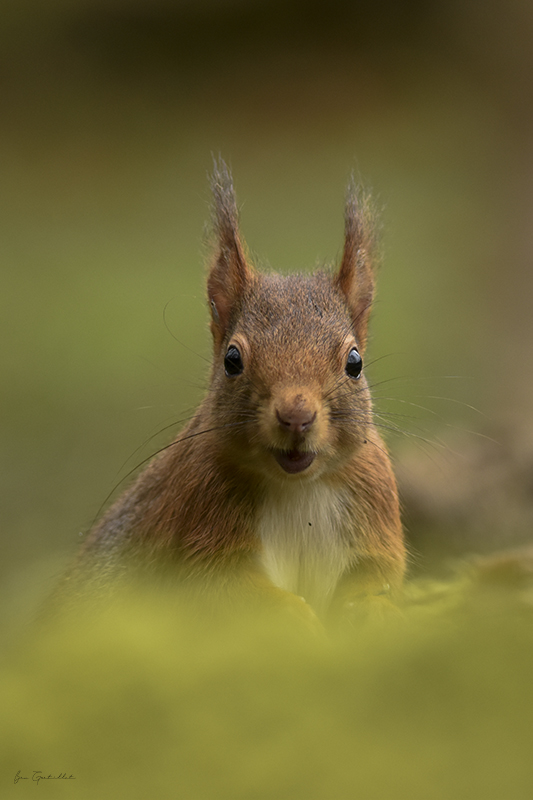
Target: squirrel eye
{"x":354,"y":364}
{"x":233,"y":362}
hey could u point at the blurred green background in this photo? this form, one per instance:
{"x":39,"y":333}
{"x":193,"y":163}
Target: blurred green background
{"x":110,"y":112}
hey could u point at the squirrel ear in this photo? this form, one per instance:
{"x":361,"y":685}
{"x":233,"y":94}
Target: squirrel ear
{"x":229,"y":272}
{"x":355,"y":277}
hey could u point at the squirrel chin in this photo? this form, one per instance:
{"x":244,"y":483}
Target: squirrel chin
{"x":294,"y":461}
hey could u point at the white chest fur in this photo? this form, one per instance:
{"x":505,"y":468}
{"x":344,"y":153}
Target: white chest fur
{"x":305,"y":550}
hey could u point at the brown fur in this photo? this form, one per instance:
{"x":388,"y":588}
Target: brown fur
{"x":201,"y":503}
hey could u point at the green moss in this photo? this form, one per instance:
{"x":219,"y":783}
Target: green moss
{"x":141,"y":703}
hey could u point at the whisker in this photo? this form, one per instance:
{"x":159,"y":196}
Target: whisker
{"x":368,"y":364}
{"x":198,"y":355}
{"x":441,"y":418}
{"x":454,"y":400}
{"x":435,"y":444}
{"x":334,"y":388}
{"x":377,"y":446}
{"x":162,"y":450}
{"x":153,"y":436}
{"x":364,"y":388}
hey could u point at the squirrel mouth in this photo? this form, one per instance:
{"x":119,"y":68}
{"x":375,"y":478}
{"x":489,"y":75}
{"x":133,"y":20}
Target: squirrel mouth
{"x":294,"y":461}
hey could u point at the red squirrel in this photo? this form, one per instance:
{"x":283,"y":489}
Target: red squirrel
{"x":280,"y":488}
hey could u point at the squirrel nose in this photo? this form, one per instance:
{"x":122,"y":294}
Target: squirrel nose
{"x":296,"y":420}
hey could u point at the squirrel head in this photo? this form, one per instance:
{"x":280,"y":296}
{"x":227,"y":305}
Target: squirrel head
{"x":287,"y":387}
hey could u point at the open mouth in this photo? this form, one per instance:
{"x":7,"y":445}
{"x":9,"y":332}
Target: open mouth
{"x":294,"y":461}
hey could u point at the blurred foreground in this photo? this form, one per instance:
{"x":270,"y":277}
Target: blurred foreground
{"x":141,"y":703}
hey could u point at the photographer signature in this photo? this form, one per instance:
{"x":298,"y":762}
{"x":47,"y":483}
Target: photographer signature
{"x":38,"y":776}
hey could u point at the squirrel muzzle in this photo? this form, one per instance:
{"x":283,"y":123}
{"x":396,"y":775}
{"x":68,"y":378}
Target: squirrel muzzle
{"x":293,"y":426}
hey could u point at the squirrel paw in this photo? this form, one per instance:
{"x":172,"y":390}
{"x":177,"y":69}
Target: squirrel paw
{"x":300,"y":611}
{"x":368,"y":609}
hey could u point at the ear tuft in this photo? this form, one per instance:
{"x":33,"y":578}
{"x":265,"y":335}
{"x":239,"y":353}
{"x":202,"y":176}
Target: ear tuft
{"x":229,"y":273}
{"x":355,"y":277}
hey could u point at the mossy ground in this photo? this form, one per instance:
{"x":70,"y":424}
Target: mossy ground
{"x":140,"y":703}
